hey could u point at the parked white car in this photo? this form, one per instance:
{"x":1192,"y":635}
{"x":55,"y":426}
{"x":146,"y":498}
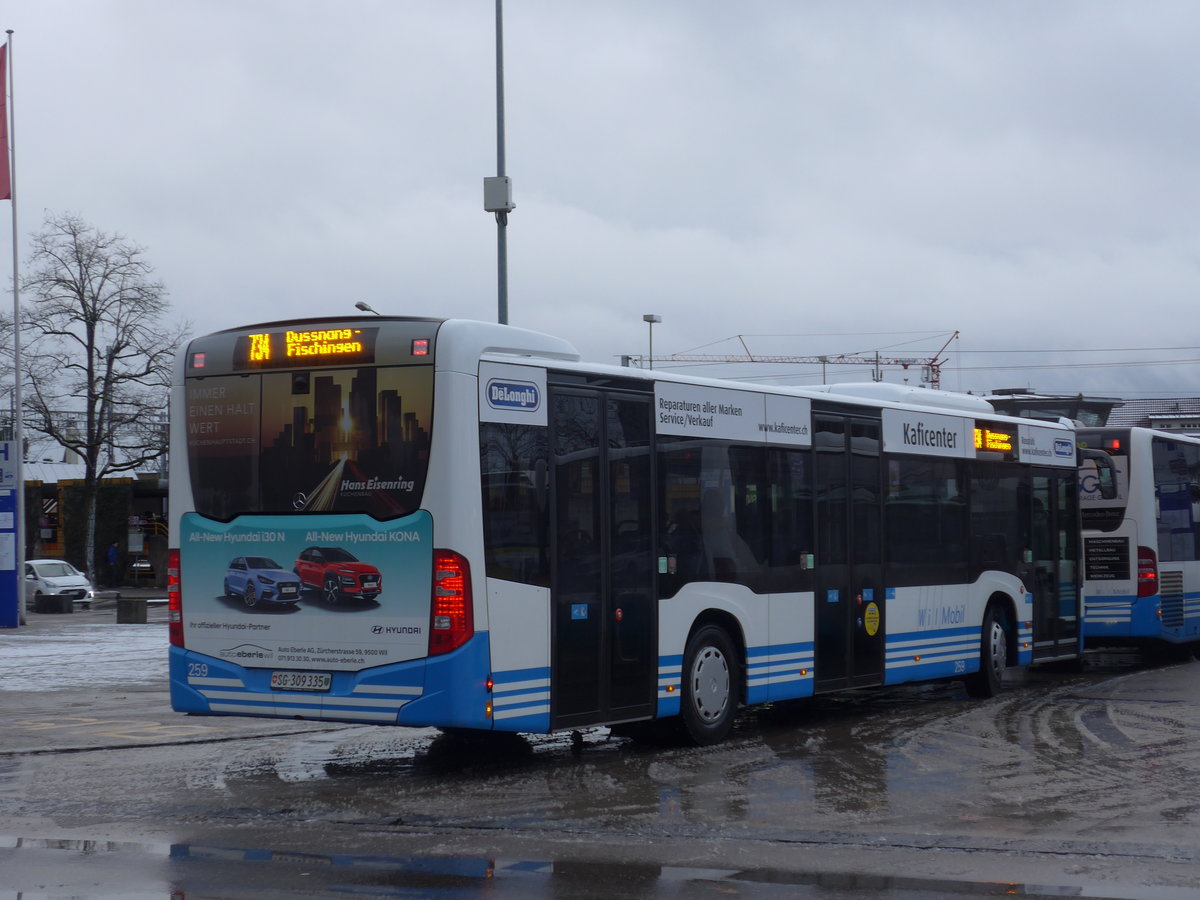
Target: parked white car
{"x":54,"y":579}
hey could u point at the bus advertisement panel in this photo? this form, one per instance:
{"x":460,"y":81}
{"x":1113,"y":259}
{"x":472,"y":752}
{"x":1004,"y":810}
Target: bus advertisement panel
{"x":331,"y":592}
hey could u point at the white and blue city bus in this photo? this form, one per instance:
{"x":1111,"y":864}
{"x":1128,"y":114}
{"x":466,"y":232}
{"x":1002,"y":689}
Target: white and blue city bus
{"x":482,"y":532}
{"x":1141,"y":536}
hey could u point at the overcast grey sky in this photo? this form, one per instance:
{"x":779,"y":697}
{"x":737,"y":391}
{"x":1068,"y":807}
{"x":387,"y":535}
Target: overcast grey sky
{"x":826,"y":177}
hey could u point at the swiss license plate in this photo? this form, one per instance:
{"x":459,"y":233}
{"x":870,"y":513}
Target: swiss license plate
{"x":301,"y":681}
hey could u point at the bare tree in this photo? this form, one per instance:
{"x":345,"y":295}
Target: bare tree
{"x":99,"y":361}
{"x":7,"y":382}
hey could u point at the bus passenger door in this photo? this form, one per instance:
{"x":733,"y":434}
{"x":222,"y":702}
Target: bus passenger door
{"x":1053,"y":576}
{"x":850,"y":607}
{"x":603,"y":658}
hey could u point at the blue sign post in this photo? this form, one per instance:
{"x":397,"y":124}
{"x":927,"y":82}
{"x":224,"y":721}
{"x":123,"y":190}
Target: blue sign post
{"x":10,"y":606}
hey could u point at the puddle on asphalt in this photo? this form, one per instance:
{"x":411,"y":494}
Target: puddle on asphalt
{"x":98,"y":869}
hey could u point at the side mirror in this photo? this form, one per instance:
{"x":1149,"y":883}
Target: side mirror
{"x":1097,"y":474}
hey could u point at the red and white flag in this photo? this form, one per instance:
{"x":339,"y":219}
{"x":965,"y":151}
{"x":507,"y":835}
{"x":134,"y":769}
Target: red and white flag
{"x":5,"y":179}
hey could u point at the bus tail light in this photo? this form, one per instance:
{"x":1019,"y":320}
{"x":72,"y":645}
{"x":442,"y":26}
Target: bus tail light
{"x":174,"y":599}
{"x":452,"y":616}
{"x":1147,"y":573}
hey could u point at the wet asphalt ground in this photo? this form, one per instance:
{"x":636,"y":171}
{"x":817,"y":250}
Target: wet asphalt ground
{"x":1068,"y":784}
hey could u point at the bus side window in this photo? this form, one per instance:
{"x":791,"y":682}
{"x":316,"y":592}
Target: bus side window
{"x":515,"y":515}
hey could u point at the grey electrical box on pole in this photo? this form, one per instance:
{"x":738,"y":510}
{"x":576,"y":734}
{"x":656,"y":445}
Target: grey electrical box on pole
{"x":497,"y":194}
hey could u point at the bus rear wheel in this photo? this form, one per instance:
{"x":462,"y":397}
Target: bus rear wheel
{"x":711,"y":686}
{"x":993,"y":655}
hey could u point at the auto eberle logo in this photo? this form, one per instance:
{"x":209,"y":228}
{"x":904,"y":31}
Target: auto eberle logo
{"x":1063,"y":448}
{"x":513,"y":395}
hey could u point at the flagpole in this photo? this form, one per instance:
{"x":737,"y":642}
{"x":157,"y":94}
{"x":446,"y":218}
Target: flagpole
{"x":18,"y":400}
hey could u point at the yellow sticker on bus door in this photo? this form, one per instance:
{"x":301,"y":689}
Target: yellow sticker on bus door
{"x":871,"y":618}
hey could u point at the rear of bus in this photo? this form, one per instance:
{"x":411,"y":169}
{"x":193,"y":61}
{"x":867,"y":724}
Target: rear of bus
{"x":1141,"y":544}
{"x":312,"y":575}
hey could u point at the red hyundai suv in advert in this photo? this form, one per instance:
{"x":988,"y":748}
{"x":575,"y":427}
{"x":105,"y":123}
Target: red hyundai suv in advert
{"x":338,"y":574}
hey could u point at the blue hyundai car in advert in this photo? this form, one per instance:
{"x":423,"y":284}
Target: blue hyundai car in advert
{"x":257,"y":579}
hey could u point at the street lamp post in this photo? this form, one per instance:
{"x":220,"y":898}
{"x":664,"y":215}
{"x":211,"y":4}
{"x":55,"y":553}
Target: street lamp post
{"x":650,"y":319}
{"x":364,"y":306}
{"x":497,"y":190}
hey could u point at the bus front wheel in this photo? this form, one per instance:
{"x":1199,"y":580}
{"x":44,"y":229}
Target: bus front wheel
{"x":993,"y":655}
{"x":711,"y":686}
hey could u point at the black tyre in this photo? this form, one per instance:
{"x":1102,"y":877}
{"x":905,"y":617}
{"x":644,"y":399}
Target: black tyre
{"x":331,"y":593}
{"x":993,"y":655}
{"x":250,"y":598}
{"x":711,"y":686}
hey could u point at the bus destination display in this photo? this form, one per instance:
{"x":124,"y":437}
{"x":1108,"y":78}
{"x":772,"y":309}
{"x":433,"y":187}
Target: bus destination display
{"x":297,"y":347}
{"x":991,"y":439}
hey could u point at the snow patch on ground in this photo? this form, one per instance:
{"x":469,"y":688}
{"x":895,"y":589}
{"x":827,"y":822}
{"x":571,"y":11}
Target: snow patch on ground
{"x":83,"y":656}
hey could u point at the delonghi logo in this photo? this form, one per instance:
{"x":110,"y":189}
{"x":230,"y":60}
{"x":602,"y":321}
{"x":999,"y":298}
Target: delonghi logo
{"x":513,"y":395}
{"x":1063,"y":448}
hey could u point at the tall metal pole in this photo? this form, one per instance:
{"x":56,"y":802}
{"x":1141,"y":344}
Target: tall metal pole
{"x":502,"y":215}
{"x":650,"y":319}
{"x":18,"y":401}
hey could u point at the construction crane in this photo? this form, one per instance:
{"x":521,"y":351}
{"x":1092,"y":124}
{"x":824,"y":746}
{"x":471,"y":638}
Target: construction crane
{"x":931,"y":366}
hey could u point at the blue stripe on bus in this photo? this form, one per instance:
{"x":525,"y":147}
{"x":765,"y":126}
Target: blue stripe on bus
{"x":521,"y":699}
{"x":510,"y":675}
{"x":918,"y":636}
{"x":207,"y":685}
{"x":958,"y":651}
{"x":514,"y":698}
{"x":539,"y":723}
{"x":779,"y":671}
{"x":1121,"y":615}
{"x":426,"y":691}
{"x":524,"y":705}
{"x":927,"y":670}
{"x":920,"y":655}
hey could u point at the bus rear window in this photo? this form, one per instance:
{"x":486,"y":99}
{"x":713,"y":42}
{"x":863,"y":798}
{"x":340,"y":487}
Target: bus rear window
{"x":1103,"y":478}
{"x":329,"y":440}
